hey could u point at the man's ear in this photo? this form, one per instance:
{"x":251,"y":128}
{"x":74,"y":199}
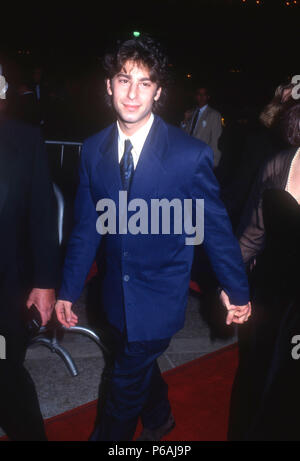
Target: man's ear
{"x":108,"y":87}
{"x":157,"y":95}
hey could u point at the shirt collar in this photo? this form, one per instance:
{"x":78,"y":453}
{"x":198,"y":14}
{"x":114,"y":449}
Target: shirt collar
{"x":137,"y":139}
{"x":203,"y":109}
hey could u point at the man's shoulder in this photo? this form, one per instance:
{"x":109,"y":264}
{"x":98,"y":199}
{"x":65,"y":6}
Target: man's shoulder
{"x":93,"y":143}
{"x":213,"y":112}
{"x":99,"y":137}
{"x":179,"y":138}
{"x":193,"y":150}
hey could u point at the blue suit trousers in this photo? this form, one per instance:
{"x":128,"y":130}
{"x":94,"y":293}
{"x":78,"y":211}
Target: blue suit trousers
{"x":137,"y":389}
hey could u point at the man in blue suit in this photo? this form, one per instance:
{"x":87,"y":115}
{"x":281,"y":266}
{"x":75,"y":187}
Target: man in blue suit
{"x":146,"y":280}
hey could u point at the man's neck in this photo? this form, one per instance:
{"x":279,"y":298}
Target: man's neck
{"x":129,"y":129}
{"x":201,"y":107}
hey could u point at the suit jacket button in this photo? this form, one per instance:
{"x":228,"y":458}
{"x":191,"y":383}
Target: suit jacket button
{"x":126,"y":278}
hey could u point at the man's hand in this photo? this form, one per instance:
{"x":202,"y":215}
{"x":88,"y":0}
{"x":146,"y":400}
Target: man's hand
{"x":236,"y":314}
{"x":64,"y":313}
{"x":44,"y":300}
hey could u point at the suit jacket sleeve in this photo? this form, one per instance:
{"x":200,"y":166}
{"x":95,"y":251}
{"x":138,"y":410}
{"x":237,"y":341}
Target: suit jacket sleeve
{"x":251,"y":231}
{"x":220,"y":244}
{"x":43,"y":222}
{"x":84,"y":241}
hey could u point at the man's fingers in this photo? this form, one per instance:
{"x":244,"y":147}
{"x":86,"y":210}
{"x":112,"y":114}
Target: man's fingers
{"x":237,"y":316}
{"x":68,"y":312}
{"x":241,"y":312}
{"x":239,"y":321}
{"x":74,"y":320}
{"x":45,"y":318}
{"x":230,"y":317}
{"x":225,"y":300}
{"x":46,"y":313}
{"x":60,"y":313}
{"x":242,"y":319}
{"x":29,"y":303}
{"x":65,"y":315}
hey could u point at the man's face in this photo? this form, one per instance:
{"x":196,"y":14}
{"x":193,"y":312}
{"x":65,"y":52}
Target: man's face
{"x":133,"y":94}
{"x":202,"y":97}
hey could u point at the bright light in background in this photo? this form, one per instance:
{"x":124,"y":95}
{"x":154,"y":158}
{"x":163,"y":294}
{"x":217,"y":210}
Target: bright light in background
{"x":136,"y":33}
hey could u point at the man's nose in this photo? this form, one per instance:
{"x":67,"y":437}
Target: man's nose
{"x":132,"y":91}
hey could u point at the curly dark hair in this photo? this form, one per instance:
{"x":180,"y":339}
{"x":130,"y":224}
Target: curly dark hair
{"x":142,"y":50}
{"x":290,"y":124}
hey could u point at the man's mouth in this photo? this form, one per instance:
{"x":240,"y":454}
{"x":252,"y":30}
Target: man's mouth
{"x":130,"y":107}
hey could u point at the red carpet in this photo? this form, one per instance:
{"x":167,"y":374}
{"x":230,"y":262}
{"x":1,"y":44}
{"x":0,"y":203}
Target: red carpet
{"x":199,"y":392}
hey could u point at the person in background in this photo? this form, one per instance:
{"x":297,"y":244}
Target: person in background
{"x":29,"y":266}
{"x":271,"y":112}
{"x":204,"y":122}
{"x":26,"y":106}
{"x":265,"y":402}
{"x":263,"y":139}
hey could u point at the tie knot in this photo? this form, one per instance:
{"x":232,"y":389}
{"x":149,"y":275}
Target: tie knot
{"x":127,"y":146}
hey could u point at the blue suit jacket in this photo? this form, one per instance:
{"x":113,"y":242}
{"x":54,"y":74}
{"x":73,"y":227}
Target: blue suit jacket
{"x":147,"y":277}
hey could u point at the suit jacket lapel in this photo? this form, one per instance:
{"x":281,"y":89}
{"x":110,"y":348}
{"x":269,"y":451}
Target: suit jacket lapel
{"x":147,"y":173}
{"x":205,"y":113}
{"x":199,"y":127}
{"x":150,"y":165}
{"x":108,"y":167}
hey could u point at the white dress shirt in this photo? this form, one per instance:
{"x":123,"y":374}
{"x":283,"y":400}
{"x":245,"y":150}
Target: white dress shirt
{"x":184,"y":125}
{"x":200,"y":114}
{"x":137,"y":140}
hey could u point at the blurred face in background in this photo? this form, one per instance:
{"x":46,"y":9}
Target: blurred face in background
{"x":202,"y":97}
{"x":133,"y":94}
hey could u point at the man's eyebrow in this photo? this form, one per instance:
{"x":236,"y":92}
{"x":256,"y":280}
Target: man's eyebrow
{"x":129,"y":77}
{"x":121,"y":74}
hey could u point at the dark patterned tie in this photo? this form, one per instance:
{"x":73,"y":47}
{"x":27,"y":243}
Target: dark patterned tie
{"x":194,"y":122}
{"x":127,"y":165}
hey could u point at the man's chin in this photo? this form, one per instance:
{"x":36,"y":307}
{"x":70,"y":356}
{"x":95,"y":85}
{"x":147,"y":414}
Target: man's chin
{"x":138,"y":118}
{"x":130,"y":118}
